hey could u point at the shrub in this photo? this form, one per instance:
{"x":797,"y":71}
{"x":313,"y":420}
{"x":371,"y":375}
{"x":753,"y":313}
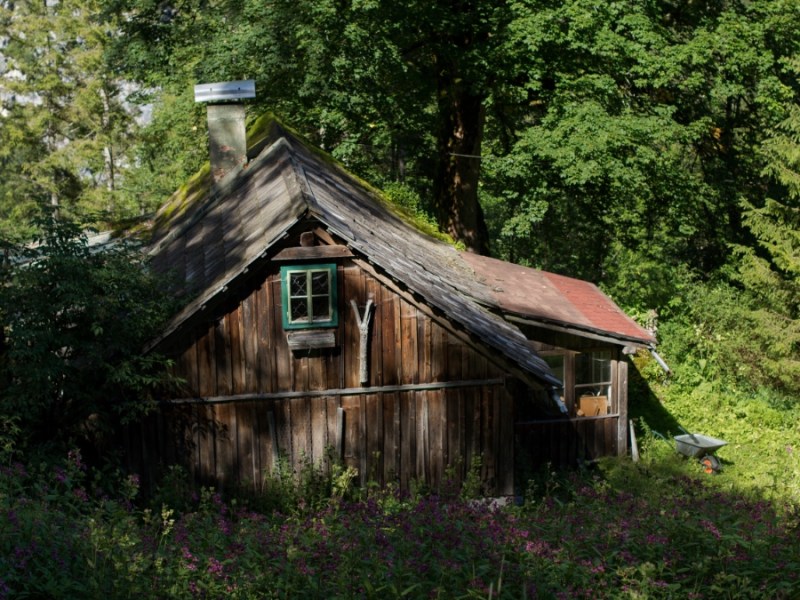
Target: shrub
{"x":75,"y":319}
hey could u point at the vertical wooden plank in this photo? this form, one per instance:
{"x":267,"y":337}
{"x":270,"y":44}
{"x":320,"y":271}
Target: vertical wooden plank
{"x":587,"y":441}
{"x":408,"y":439}
{"x":352,"y":429}
{"x":422,"y":468}
{"x":599,"y":438}
{"x":332,"y":407}
{"x":225,"y":416}
{"x":439,"y":352}
{"x":301,"y":433}
{"x":375,"y":347}
{"x":391,"y":436}
{"x":193,"y":443}
{"x":424,"y":347}
{"x":207,"y":372}
{"x":353,"y":290}
{"x":186,"y":368}
{"x":505,"y":454}
{"x":408,"y":331}
{"x":249,"y":331}
{"x":246,"y":451}
{"x":340,"y":433}
{"x":272,"y":451}
{"x":397,"y":376}
{"x":208,"y":467}
{"x":234,"y":320}
{"x":572,"y":448}
{"x":490,"y":410}
{"x":622,"y":404}
{"x":264,"y":311}
{"x":300,"y":367}
{"x":456,"y":432}
{"x":280,"y":348}
{"x":477,"y":427}
{"x":222,"y":356}
{"x":373,"y":423}
{"x":470,"y":448}
{"x":318,"y":370}
{"x":454,"y":360}
{"x":610,"y":436}
{"x":497,"y":410}
{"x":385,"y":351}
{"x":363,"y":450}
{"x":336,"y":360}
{"x":437,"y":427}
{"x":283,"y":430}
{"x":319,"y":431}
{"x":227,"y":471}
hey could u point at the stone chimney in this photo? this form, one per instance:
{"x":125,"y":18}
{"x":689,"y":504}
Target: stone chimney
{"x":227,"y":137}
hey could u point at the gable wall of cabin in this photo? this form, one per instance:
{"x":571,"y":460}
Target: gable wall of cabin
{"x":432,"y":403}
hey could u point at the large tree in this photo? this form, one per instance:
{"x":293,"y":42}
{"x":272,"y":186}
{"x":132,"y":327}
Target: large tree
{"x":404,"y":84}
{"x":639,"y":139}
{"x":64,"y":126}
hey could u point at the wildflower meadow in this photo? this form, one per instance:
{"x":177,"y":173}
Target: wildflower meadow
{"x":617,"y":530}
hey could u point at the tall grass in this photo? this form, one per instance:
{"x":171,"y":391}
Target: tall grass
{"x":651,"y":530}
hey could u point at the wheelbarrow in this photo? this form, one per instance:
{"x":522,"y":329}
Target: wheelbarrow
{"x":701,"y":447}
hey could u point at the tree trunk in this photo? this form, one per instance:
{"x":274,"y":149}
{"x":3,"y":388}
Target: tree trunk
{"x":458,"y":211}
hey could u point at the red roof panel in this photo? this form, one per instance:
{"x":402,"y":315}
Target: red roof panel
{"x":556,"y":299}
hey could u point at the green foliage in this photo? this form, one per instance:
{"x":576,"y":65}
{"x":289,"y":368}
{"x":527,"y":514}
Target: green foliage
{"x":65,"y":127}
{"x":759,"y":424}
{"x":721,"y":334}
{"x":636,"y":136}
{"x":75,"y":320}
{"x":648,"y":530}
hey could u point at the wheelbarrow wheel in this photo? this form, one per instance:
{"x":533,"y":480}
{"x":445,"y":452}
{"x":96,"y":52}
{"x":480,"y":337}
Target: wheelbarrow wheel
{"x":710,"y":464}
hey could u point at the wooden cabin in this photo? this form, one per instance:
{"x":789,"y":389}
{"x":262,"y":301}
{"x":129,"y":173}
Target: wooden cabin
{"x":320,"y":323}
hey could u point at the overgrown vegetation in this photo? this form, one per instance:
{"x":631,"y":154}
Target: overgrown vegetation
{"x":652,"y":530}
{"x":75,"y":318}
{"x":649,"y":147}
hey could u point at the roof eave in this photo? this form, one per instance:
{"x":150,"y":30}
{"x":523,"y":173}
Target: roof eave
{"x":588,"y":332}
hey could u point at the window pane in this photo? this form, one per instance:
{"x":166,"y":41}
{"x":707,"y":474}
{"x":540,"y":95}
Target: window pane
{"x":319,"y":283}
{"x":297,"y":284}
{"x":299,"y":309}
{"x":321,"y":308}
{"x":593,"y":367}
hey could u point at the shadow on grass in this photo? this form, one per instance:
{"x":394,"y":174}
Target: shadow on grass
{"x":644,"y":406}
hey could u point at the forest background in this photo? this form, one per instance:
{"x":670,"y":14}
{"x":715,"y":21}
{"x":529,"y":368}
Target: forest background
{"x":651,"y":147}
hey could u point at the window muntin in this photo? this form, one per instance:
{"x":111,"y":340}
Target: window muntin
{"x":309,"y":296}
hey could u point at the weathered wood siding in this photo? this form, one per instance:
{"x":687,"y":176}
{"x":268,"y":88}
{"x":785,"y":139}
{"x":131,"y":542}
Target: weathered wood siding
{"x":432,"y":404}
{"x":566,"y":442}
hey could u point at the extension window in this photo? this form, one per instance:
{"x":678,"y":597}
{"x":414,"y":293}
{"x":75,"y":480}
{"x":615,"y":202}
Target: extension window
{"x":593,"y":383}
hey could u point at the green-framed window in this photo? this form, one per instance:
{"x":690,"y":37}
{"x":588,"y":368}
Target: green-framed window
{"x":308,"y":293}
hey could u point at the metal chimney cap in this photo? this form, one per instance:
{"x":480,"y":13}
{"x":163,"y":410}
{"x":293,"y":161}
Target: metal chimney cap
{"x":225,"y":90}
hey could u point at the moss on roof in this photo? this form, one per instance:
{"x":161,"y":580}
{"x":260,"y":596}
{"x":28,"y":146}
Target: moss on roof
{"x":260,"y":132}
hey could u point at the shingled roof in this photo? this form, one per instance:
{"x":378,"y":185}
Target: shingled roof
{"x":556,"y":301}
{"x":209,"y":241}
{"x":208,"y":237}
